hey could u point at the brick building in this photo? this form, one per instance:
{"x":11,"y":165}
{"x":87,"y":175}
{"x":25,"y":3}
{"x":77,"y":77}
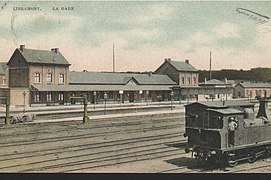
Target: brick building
{"x":251,"y":90}
{"x":29,"y":68}
{"x":39,"y":77}
{"x":215,"y":89}
{"x":183,"y":74}
{"x":187,"y":86}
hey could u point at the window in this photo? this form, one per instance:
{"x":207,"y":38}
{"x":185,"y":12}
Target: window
{"x":49,"y":96}
{"x":189,"y":80}
{"x":260,"y":93}
{"x":61,"y":78}
{"x":256,"y":93}
{"x":182,"y":80}
{"x":264,"y":93}
{"x":195,"y":80}
{"x":60,"y":97}
{"x":216,"y":122}
{"x":49,"y":78}
{"x":37,"y":77}
{"x":36,"y":97}
{"x":247,"y":92}
{"x":110,"y":95}
{"x":4,"y":81}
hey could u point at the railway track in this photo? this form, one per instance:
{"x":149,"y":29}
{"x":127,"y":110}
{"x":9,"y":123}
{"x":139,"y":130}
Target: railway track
{"x":9,"y":130}
{"x":84,"y":152}
{"x":86,"y":134}
{"x":96,"y":145}
{"x":102,"y":145}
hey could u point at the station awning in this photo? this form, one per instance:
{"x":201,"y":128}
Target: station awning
{"x":99,"y":88}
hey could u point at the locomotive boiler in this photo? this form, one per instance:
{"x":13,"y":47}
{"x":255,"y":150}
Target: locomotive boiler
{"x":228,"y":132}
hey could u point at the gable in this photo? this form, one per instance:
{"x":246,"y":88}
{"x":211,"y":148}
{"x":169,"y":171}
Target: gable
{"x":17,"y":60}
{"x":132,"y":82}
{"x":166,"y":68}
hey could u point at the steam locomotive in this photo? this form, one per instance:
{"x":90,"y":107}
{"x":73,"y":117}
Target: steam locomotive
{"x":228,"y":131}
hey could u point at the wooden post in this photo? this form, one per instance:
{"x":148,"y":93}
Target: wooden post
{"x":85,"y":118}
{"x":7,"y":119}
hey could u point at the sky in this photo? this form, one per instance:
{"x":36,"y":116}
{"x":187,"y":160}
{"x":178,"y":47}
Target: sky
{"x":144,"y":33}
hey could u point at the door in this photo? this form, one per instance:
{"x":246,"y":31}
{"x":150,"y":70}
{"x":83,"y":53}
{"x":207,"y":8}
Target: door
{"x":131,"y":97}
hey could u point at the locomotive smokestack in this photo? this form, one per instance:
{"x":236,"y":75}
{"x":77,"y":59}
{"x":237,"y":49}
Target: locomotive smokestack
{"x":263,"y":109}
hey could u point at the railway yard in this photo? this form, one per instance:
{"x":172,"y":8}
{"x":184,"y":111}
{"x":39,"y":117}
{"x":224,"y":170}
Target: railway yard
{"x":144,"y":142}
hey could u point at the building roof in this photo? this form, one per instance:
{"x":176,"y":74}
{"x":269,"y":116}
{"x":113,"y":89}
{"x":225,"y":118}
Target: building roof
{"x":182,"y":66}
{"x":217,"y":82}
{"x":231,"y":81}
{"x":220,"y":104}
{"x":100,"y":88}
{"x":43,"y":56}
{"x":179,"y":66}
{"x":227,"y":111}
{"x":213,"y":82}
{"x":3,"y":67}
{"x":110,"y":78}
{"x":255,"y":84}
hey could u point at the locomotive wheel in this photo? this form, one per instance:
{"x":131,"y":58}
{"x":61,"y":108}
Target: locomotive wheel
{"x":232,"y":163}
{"x":13,"y":120}
{"x":24,"y":119}
{"x":252,"y":159}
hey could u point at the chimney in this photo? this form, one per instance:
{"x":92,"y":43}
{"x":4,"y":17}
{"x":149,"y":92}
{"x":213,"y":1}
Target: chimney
{"x":22,"y":47}
{"x":168,"y":59}
{"x":187,"y":61}
{"x":55,"y":50}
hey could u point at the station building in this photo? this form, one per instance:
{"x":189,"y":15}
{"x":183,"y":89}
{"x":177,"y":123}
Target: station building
{"x":187,"y":86}
{"x":183,"y":74}
{"x":43,"y":78}
{"x":39,"y":77}
{"x":251,"y":90}
{"x":215,"y":89}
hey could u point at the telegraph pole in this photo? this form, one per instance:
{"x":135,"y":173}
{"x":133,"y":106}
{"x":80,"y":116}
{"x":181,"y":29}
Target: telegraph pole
{"x":210,"y":75}
{"x":113,"y":58}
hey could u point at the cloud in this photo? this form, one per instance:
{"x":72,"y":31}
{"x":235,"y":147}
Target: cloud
{"x":43,"y":27}
{"x":157,"y":12}
{"x":227,"y":30}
